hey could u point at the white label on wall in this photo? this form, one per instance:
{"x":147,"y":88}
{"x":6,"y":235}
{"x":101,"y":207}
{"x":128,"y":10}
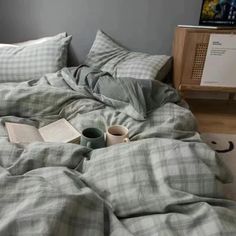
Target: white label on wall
{"x":220,"y":64}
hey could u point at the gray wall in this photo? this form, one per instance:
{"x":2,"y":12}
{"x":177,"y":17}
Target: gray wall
{"x":143,"y":25}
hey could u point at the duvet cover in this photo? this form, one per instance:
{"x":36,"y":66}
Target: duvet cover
{"x":165,"y":182}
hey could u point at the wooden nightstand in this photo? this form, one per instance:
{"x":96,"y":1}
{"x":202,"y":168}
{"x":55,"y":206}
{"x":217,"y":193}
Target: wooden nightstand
{"x":189,"y":52}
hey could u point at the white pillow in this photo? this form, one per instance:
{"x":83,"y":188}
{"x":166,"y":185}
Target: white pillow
{"x":41,"y":40}
{"x":34,"y":41}
{"x":2,"y":45}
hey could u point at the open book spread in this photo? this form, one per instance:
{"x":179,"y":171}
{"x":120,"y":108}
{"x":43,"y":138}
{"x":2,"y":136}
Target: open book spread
{"x":58,"y":131}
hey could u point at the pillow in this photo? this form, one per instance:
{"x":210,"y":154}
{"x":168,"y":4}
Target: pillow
{"x":31,"y":60}
{"x":7,"y":45}
{"x":35,"y":41}
{"x":108,"y":56}
{"x":41,"y":40}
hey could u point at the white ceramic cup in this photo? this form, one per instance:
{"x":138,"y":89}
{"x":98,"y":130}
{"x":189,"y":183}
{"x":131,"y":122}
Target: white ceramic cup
{"x":117,"y":134}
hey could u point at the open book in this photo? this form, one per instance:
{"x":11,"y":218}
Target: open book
{"x":58,"y":131}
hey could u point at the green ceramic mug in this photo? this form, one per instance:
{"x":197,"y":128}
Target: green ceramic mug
{"x":93,"y":138}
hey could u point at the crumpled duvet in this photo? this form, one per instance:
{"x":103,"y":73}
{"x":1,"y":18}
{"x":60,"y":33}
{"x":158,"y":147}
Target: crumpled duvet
{"x":166,"y":181}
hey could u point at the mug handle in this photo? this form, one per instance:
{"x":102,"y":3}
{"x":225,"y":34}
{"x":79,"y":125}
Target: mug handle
{"x":126,"y":140}
{"x":89,"y":145}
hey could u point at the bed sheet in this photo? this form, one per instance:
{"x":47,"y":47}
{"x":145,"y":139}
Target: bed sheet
{"x":166,"y":181}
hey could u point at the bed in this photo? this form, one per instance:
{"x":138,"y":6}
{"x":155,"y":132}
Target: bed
{"x":165,"y":181}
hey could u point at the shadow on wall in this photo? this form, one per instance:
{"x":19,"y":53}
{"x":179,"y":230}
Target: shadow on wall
{"x":73,"y":59}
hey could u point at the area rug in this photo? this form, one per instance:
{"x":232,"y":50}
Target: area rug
{"x":225,"y":146}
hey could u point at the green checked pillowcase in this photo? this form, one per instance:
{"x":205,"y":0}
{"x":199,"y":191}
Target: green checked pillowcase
{"x":108,"y":56}
{"x":33,"y":59}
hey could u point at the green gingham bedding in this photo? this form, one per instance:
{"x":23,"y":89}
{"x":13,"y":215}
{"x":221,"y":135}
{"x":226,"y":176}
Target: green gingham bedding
{"x":31,"y":60}
{"x":165,"y":182}
{"x":106,"y":55}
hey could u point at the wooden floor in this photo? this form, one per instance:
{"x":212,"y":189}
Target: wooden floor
{"x":214,"y":116}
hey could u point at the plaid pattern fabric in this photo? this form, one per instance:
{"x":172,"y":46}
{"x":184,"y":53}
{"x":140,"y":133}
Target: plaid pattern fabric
{"x":166,"y":179}
{"x":22,"y":63}
{"x":108,"y":56}
{"x":164,"y":182}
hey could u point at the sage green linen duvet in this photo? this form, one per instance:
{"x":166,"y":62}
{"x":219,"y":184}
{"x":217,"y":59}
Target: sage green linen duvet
{"x":165,"y":182}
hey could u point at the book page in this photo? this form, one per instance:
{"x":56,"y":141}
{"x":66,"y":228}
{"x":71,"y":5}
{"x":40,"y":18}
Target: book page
{"x":59,"y":131}
{"x":219,"y":68}
{"x":22,"y":133}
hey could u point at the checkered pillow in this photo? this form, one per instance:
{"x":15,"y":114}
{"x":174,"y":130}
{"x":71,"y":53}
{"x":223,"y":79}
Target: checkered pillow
{"x":108,"y":56}
{"x":22,"y":63}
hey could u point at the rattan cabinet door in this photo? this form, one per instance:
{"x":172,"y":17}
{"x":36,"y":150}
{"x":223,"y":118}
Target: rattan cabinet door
{"x":194,"y":54}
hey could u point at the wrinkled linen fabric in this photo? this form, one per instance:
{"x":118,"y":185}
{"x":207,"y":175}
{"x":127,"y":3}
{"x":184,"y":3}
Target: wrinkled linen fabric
{"x":166,"y":181}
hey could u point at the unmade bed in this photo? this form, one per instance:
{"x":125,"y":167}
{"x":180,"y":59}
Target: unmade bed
{"x":166,"y":181}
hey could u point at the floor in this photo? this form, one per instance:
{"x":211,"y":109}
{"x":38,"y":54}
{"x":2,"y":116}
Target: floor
{"x":224,"y":145}
{"x":215,"y":116}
